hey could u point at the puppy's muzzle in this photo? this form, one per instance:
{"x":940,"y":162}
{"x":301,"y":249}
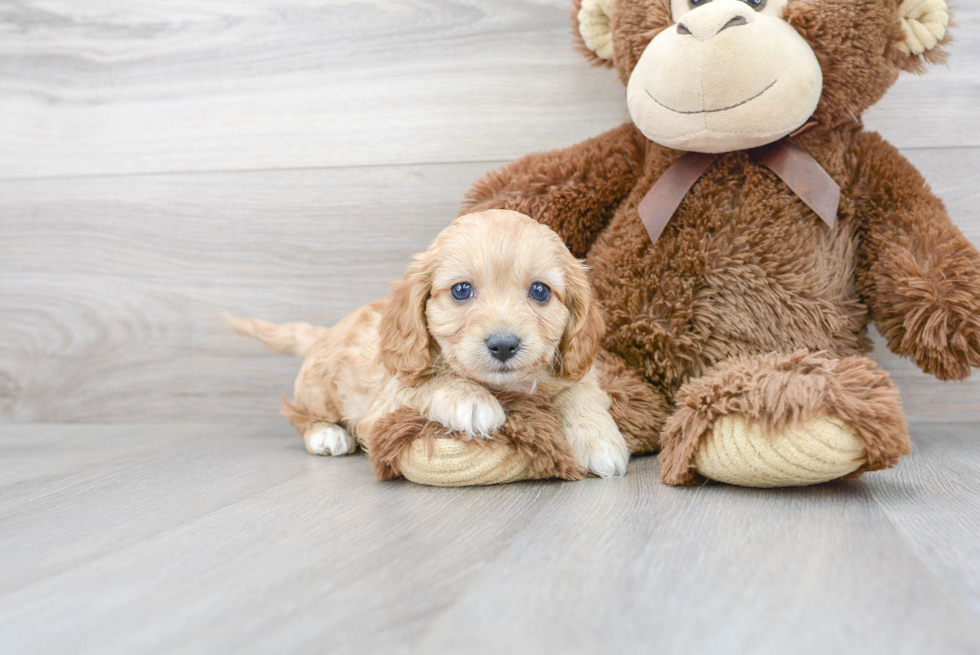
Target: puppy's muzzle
{"x":503,"y":345}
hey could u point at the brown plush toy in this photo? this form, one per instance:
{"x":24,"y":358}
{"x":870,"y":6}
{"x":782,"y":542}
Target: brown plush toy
{"x":744,"y":229}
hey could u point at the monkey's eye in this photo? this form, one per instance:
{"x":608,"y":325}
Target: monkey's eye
{"x":758,"y":5}
{"x":539,"y":292}
{"x":462,"y":291}
{"x":697,"y":3}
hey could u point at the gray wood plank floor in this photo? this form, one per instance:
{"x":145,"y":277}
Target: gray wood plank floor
{"x":218,"y":539}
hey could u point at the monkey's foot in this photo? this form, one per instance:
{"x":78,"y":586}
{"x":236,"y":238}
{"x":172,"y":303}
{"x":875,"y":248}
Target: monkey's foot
{"x":531,"y":445}
{"x":784,"y":420}
{"x":739,"y":452}
{"x":456,"y":463}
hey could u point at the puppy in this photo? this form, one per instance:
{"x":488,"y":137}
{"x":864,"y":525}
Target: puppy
{"x":497,"y":303}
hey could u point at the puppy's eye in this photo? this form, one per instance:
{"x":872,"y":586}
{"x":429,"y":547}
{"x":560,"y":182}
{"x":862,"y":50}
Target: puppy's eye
{"x":462,"y":291}
{"x":540,"y":292}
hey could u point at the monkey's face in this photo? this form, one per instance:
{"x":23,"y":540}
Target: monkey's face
{"x":729,"y":74}
{"x":722,"y":75}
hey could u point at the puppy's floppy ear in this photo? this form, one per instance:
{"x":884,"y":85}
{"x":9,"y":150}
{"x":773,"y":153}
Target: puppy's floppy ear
{"x":583,"y":334}
{"x":405,"y":346}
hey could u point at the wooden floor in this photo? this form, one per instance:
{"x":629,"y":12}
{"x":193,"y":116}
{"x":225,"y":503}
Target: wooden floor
{"x":221,"y":539}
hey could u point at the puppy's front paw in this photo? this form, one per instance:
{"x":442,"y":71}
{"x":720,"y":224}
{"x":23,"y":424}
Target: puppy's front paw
{"x":326,"y":439}
{"x":477,"y":412}
{"x":608,"y":462}
{"x":599,"y":446}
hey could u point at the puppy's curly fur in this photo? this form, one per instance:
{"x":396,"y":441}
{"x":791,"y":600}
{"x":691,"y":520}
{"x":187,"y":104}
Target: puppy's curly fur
{"x":427,"y":349}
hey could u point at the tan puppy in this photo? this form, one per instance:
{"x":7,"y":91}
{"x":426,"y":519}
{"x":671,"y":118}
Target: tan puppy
{"x":497,"y":303}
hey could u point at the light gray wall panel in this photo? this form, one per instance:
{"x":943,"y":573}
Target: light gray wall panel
{"x":111,"y":287}
{"x":112,"y":86}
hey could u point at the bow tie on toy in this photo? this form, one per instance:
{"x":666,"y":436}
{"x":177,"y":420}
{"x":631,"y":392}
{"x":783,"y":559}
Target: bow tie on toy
{"x":794,"y":166}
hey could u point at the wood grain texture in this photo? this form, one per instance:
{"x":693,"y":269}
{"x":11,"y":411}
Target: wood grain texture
{"x":116,"y":87}
{"x":213,"y":539}
{"x":941,"y":528}
{"x":111,"y":288}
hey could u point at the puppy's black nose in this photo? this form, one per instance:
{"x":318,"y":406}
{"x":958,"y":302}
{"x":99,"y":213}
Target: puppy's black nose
{"x":503,"y":345}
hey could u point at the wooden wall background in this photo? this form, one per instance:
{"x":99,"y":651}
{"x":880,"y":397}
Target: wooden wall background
{"x":161,"y":160}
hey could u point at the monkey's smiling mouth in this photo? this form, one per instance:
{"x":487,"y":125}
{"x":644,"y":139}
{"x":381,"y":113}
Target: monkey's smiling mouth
{"x":712,"y":111}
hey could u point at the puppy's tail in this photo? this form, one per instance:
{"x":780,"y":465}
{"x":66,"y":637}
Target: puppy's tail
{"x":291,"y":338}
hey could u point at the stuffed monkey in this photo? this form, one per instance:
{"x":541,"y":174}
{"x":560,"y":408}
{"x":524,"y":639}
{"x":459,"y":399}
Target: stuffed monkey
{"x":744,"y":229}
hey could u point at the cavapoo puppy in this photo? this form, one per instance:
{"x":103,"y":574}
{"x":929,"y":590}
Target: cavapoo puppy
{"x":497,"y":304}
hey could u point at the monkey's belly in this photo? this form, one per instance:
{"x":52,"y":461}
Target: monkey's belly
{"x":704,"y":294}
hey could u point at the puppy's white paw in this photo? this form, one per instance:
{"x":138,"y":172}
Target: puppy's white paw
{"x":331,"y":440}
{"x":477,"y":414}
{"x":608,"y":463}
{"x":599,"y":447}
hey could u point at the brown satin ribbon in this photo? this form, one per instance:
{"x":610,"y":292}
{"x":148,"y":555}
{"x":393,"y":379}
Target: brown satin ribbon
{"x":794,"y":166}
{"x":804,"y":176}
{"x":661,"y":201}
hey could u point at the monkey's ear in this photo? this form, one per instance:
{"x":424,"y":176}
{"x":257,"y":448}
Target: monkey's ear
{"x":591,"y":18}
{"x":924,"y":24}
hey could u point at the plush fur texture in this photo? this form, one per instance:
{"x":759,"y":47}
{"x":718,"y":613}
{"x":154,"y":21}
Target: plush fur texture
{"x":638,"y":410}
{"x":745,"y":275}
{"x":919,"y":274}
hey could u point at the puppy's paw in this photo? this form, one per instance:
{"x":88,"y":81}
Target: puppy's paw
{"x":599,"y":446}
{"x":608,"y":462}
{"x":476,"y":412}
{"x":329,"y":440}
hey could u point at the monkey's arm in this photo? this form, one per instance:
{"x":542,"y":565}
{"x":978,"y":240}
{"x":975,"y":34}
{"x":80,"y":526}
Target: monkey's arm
{"x":573,"y":191}
{"x":918,"y":273}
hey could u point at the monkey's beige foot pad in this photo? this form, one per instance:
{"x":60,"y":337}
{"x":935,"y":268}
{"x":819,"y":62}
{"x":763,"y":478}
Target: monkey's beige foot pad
{"x":740,"y":452}
{"x":530,"y":446}
{"x":455,"y":463}
{"x":784,"y":419}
